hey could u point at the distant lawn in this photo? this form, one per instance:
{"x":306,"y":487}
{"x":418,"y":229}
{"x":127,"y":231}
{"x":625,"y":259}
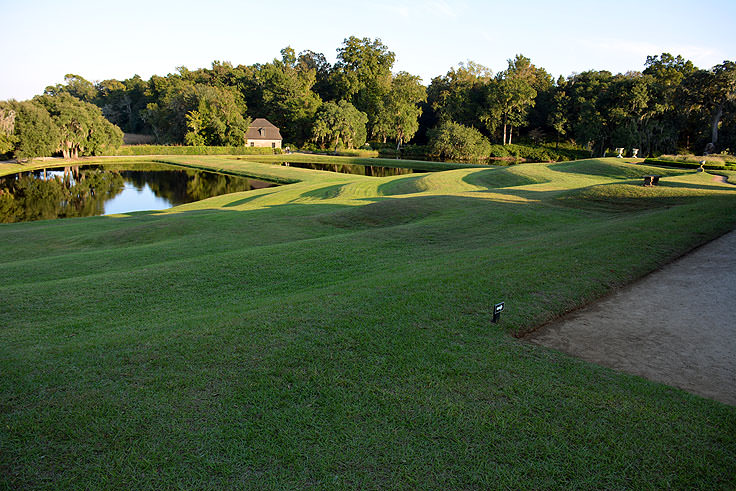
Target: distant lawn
{"x":335,"y":333}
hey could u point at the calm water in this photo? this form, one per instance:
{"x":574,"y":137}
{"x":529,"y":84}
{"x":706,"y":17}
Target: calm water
{"x":363,"y":170}
{"x":98,"y":190}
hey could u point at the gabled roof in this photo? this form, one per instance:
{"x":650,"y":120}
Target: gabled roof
{"x":262,"y":129}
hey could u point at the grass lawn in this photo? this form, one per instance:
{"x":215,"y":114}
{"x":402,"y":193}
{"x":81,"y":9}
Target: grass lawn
{"x":335,"y":333}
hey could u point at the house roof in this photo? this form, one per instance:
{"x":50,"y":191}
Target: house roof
{"x":262,"y":129}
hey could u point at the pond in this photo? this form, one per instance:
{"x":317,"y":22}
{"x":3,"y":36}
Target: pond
{"x":105,"y":190}
{"x":363,"y":170}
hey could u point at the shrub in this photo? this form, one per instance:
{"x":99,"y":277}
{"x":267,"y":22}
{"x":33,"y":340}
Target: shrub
{"x":499,"y":151}
{"x":686,"y":164}
{"x":193,"y":150}
{"x":533,"y":153}
{"x":453,"y":141}
{"x":407,"y":151}
{"x":342,"y":151}
{"x":716,"y":159}
{"x":510,"y":153}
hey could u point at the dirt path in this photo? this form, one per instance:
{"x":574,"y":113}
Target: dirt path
{"x":721,"y":179}
{"x":676,"y":326}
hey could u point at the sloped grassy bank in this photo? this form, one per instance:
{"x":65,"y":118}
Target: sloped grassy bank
{"x":335,"y":332}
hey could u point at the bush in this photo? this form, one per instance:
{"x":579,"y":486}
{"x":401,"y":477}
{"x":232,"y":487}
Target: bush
{"x":717,"y":159}
{"x":192,"y":150}
{"x":407,"y":151}
{"x":500,"y":151}
{"x":536,"y":153}
{"x":501,"y":154}
{"x":358,"y":152}
{"x":414,"y":150}
{"x":453,"y":141}
{"x":344,"y":152}
{"x":712,"y":164}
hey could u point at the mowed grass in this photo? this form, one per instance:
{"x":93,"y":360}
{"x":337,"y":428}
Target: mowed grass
{"x":335,"y":333}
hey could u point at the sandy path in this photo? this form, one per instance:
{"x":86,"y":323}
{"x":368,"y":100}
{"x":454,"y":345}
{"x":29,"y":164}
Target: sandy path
{"x":676,"y":326}
{"x":721,"y":179}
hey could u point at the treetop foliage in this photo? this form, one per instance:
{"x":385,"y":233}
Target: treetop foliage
{"x":669,"y":106}
{"x":340,"y":123}
{"x":58,"y":123}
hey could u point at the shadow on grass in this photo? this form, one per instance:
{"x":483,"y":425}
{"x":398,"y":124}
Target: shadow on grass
{"x":327,"y":192}
{"x":614,"y":170}
{"x":499,"y":178}
{"x":463,"y":216}
{"x":243,"y":201}
{"x":407,"y":185}
{"x":716,"y":186}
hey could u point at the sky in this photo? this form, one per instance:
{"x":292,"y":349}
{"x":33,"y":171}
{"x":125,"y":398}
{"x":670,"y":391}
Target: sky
{"x":44,"y":40}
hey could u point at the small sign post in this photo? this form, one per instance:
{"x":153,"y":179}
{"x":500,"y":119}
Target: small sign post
{"x":497,"y":309}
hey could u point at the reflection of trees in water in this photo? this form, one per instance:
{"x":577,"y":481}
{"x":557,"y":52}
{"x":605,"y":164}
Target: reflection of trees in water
{"x":180,"y":187}
{"x":361,"y":170}
{"x":386,"y":171}
{"x":79,"y":193}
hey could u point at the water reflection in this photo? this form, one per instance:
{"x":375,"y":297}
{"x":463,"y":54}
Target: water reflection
{"x":362,"y":170}
{"x":97,"y":190}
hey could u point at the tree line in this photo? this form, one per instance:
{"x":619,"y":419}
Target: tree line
{"x":669,"y":106}
{"x":50,"y":124}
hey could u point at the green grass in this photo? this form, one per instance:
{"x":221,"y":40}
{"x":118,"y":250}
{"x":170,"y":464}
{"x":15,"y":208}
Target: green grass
{"x":335,"y":333}
{"x":730,"y":175}
{"x":716,"y":159}
{"x":711,"y":162}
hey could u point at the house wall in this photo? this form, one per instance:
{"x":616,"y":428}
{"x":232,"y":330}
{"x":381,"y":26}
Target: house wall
{"x":264,"y":143}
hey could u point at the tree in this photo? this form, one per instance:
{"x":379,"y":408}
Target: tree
{"x":539,"y":112}
{"x":75,"y":85}
{"x":288,"y":56}
{"x":63,"y":123}
{"x":363,"y":74}
{"x":629,"y":110}
{"x":340,"y":122}
{"x":82,"y":129}
{"x":460,"y":95}
{"x":323,"y":82}
{"x":511,"y":97}
{"x":122,"y":103}
{"x":172,"y":98}
{"x":588,"y":109}
{"x":383,"y":127}
{"x":36,"y":134}
{"x":720,"y":91}
{"x":558,"y":116}
{"x":400,"y":110}
{"x":71,"y":119}
{"x":666,"y":116}
{"x":668,"y":70}
{"x":453,"y":141}
{"x":218,"y":118}
{"x":286,"y":96}
{"x":195,"y":124}
{"x":7,"y":128}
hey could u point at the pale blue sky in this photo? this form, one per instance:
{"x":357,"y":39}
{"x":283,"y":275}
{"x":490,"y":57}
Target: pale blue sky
{"x":46,"y":39}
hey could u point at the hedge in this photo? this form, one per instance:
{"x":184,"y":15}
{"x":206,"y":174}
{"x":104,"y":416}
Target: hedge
{"x":192,"y":150}
{"x":687,"y":165}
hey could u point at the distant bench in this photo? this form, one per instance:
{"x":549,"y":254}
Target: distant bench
{"x":651,"y":180}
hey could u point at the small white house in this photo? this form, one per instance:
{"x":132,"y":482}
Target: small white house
{"x":262,"y":133}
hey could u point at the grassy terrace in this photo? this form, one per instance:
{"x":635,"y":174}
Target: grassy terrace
{"x":335,"y":333}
